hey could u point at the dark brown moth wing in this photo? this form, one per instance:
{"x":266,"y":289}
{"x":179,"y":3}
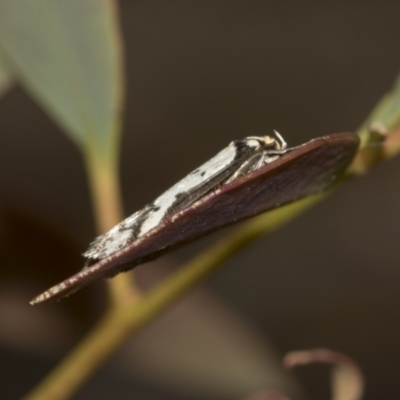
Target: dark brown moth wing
{"x":305,"y":170}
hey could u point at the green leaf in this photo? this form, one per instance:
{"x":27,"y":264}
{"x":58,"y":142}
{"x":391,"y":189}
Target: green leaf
{"x":67,"y":54}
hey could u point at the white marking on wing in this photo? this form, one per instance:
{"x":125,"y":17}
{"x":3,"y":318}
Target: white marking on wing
{"x":199,"y":175}
{"x":113,"y":240}
{"x":121,"y":235}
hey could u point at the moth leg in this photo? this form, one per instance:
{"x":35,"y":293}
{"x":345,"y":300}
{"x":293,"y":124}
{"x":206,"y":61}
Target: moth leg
{"x":254,"y":162}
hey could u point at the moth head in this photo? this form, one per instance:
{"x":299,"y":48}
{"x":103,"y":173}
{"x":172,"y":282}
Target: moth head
{"x":275,"y":142}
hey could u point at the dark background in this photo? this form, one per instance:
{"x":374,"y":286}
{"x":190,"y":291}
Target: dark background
{"x":200,"y":74}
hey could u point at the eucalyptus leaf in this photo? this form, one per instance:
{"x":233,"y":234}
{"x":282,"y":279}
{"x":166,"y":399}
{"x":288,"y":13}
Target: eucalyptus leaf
{"x":67,"y":54}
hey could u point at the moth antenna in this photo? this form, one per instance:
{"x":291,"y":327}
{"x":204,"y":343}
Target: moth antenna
{"x":281,"y":140}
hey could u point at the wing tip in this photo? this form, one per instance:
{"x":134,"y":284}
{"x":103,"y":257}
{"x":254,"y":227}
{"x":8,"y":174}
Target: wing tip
{"x":53,"y":293}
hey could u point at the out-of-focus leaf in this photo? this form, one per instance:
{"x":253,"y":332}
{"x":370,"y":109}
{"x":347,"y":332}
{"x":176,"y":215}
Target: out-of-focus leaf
{"x":45,"y":245}
{"x":67,"y":54}
{"x":5,"y":80}
{"x":347,"y":380}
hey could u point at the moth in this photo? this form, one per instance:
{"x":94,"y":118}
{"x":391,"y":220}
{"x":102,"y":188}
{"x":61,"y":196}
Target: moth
{"x":249,"y":176}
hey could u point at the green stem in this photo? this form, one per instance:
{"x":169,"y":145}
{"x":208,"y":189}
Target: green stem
{"x":106,"y":197}
{"x":103,"y":179}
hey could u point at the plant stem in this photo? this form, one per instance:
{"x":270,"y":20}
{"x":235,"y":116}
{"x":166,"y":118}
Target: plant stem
{"x":106,"y":197}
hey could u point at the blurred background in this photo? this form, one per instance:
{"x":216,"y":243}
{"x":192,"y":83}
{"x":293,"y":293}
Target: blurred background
{"x":200,"y":74}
